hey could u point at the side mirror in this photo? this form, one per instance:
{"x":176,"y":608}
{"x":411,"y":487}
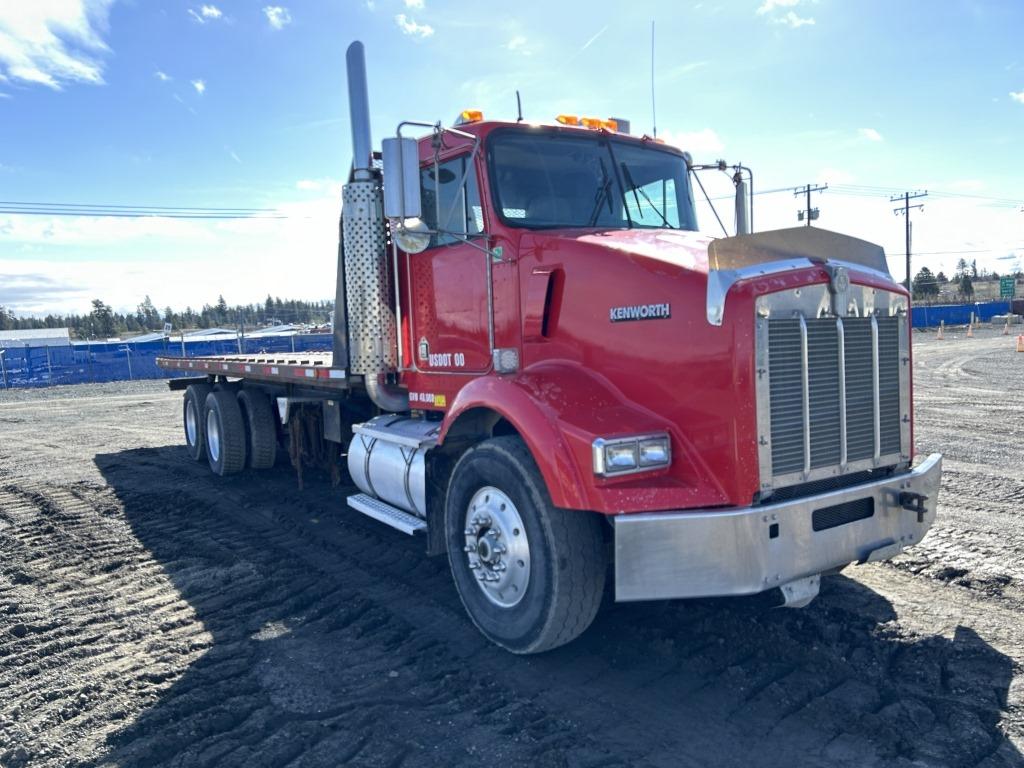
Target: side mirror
{"x":401,"y":179}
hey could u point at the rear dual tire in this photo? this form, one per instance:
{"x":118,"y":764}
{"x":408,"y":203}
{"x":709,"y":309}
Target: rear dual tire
{"x":229,"y":427}
{"x":225,"y":433}
{"x":194,"y":418}
{"x":260,"y":428}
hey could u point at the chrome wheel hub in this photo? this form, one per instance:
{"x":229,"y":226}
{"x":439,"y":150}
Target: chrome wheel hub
{"x":213,"y":435}
{"x":497,"y":550}
{"x":191,"y":422}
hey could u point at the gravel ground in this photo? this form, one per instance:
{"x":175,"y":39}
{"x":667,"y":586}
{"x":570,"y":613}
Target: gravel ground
{"x":154,"y":615}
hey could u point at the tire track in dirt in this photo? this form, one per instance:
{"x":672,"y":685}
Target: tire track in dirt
{"x":203,"y":622}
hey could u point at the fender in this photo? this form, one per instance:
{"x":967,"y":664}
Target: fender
{"x":535,"y":422}
{"x":543,"y":403}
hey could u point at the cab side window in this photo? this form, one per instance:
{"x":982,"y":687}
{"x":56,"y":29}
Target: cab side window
{"x":459,"y":204}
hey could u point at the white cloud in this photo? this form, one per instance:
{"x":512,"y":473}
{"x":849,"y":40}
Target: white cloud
{"x":701,"y":144}
{"x":417,"y":4}
{"x":770,"y":5}
{"x":790,"y":18}
{"x":163,"y":77}
{"x":1017,"y":96}
{"x":326,"y":185}
{"x":53,"y":42}
{"x":870,"y":134}
{"x":410,"y":27}
{"x":965,"y":185}
{"x":593,"y":39}
{"x":794,"y":21}
{"x":684,"y":69}
{"x":834,"y":176}
{"x":277,"y":16}
{"x":205,"y":13}
{"x":177,"y":250}
{"x":200,"y":86}
{"x":516,"y":43}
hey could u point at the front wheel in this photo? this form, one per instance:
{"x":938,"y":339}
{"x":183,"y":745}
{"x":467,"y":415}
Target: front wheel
{"x":530,"y":575}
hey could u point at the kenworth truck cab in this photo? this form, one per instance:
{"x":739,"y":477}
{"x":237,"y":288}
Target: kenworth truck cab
{"x":543,"y":369}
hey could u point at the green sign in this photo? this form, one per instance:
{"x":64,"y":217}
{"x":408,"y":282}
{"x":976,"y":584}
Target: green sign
{"x":1006,"y":287}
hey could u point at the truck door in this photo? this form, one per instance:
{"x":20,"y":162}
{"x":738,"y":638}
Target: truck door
{"x":448,"y":280}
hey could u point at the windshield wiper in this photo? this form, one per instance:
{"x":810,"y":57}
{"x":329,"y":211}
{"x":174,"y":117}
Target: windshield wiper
{"x":636,"y":189}
{"x":603,"y":193}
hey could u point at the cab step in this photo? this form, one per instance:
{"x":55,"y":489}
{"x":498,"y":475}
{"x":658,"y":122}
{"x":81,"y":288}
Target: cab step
{"x":386,"y":513}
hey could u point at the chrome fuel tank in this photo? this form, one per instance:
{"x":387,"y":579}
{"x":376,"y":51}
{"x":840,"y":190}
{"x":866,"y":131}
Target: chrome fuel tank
{"x":386,"y":460}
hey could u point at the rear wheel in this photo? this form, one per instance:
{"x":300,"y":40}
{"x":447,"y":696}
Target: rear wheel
{"x":225,"y":433}
{"x":193,"y":411}
{"x":260,"y":428}
{"x":530,"y":575}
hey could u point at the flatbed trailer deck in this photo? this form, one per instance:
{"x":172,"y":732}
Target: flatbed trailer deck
{"x":307,"y":368}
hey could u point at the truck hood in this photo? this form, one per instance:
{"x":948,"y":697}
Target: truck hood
{"x":697,"y":252}
{"x":688,"y":250}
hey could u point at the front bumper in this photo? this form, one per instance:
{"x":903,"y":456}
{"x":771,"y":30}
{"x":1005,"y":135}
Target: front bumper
{"x":743,"y":551}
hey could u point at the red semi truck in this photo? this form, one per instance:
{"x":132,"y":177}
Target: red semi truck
{"x":542,"y":369}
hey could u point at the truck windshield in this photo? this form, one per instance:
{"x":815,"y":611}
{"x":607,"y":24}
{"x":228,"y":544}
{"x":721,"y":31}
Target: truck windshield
{"x":547,"y":179}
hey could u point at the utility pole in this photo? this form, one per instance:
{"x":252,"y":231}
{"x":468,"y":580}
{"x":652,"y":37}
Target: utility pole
{"x":808,"y":213}
{"x":906,"y":197}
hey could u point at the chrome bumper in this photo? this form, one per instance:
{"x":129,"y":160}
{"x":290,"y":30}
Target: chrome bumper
{"x":742,"y":551}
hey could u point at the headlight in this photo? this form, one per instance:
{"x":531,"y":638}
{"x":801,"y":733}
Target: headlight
{"x":654,"y":452}
{"x":623,"y":455}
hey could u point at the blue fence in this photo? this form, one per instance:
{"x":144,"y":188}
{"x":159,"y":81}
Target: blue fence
{"x":119,"y":361}
{"x":956,"y":314}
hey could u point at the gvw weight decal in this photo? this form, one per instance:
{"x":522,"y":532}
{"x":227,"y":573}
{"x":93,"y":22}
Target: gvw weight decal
{"x":640,"y":312}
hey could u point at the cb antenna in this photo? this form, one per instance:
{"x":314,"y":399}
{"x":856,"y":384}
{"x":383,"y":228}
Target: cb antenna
{"x":654,"y":119}
{"x":519,"y":108}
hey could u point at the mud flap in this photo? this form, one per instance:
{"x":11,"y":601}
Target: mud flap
{"x":800,"y":592}
{"x":885,"y":552}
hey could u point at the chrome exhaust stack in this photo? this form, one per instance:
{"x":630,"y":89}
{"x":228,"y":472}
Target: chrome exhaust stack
{"x":371,"y":327}
{"x":359,"y":111}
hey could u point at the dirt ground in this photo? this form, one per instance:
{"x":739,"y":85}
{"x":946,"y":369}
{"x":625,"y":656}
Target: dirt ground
{"x":154,"y":615}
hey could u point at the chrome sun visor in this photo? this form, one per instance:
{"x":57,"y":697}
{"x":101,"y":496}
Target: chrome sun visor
{"x":732,"y":259}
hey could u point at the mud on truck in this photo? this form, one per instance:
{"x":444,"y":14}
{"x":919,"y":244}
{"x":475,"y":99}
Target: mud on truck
{"x":542,"y":370}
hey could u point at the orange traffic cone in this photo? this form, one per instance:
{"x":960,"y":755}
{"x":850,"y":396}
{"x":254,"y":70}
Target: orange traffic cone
{"x":942,"y":328}
{"x":970,"y":330}
{"x":1020,"y":343}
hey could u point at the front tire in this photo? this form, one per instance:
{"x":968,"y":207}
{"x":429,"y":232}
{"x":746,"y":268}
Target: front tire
{"x":530,"y":575}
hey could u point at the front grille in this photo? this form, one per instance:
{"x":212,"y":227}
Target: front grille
{"x":841,"y":514}
{"x":838,"y":483}
{"x":812,"y":363}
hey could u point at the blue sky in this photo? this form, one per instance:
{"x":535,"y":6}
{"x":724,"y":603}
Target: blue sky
{"x":241,"y":103}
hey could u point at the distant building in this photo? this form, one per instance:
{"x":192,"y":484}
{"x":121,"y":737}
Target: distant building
{"x":36,"y":337}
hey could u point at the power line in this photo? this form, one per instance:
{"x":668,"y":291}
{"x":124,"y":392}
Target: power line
{"x":811,"y":213}
{"x":980,"y":250}
{"x":97,"y":210}
{"x":862,"y":190}
{"x":111,"y":215}
{"x":905,"y":211}
{"x":115,"y":206}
